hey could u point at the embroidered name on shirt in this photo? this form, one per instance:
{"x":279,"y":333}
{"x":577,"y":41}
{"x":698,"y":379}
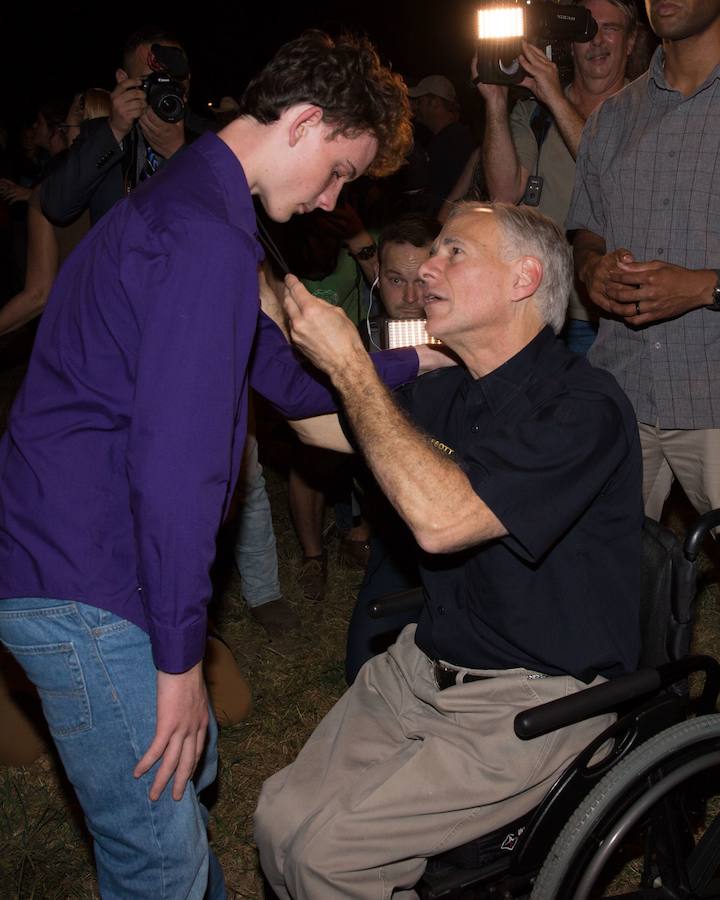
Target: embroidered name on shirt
{"x":442,"y":447}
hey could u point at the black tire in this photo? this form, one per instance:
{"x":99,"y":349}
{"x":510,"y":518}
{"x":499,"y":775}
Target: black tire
{"x":622,"y":798}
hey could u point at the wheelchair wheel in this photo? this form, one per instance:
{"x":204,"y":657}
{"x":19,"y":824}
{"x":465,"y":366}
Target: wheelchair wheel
{"x":657,"y":799}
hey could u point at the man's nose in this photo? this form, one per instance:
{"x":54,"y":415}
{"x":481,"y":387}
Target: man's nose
{"x":328,"y":198}
{"x":429,"y":269}
{"x":413,"y":292}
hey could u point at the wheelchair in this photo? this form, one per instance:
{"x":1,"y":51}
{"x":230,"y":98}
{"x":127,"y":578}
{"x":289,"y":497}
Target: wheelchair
{"x":647,"y":797}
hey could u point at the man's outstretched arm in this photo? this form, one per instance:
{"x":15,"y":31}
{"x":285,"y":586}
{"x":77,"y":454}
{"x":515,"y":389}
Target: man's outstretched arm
{"x":431,"y":493}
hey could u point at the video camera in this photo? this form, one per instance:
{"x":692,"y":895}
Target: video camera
{"x":163,"y":87}
{"x":502,"y":26}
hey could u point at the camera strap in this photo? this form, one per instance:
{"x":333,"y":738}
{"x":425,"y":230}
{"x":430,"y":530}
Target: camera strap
{"x":540,"y":122}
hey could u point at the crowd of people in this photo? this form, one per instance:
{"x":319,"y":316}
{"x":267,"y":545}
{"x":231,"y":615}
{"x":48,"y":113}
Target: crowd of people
{"x":493,"y":343}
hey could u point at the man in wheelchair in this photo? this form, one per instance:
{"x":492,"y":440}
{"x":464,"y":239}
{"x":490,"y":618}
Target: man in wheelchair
{"x":519,"y":474}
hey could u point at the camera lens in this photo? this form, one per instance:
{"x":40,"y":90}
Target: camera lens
{"x":170,"y":107}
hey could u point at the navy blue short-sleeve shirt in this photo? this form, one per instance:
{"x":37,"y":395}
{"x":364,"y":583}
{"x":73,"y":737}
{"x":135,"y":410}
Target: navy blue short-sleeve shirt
{"x":550,"y":444}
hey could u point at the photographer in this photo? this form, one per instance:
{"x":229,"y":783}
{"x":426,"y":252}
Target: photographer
{"x":112,"y":155}
{"x":541,"y":136}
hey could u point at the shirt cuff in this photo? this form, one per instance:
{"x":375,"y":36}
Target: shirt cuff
{"x":396,"y":367}
{"x":175,"y":650}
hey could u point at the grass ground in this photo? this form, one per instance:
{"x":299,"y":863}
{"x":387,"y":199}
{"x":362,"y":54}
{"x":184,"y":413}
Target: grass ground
{"x":44,"y":852}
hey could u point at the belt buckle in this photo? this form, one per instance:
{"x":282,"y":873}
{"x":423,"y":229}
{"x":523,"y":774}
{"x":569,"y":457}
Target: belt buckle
{"x":445,"y":677}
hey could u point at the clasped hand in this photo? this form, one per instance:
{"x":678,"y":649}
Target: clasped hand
{"x":646,"y":292}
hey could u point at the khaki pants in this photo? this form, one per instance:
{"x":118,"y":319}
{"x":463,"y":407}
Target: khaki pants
{"x":399,"y":771}
{"x":691,"y":456}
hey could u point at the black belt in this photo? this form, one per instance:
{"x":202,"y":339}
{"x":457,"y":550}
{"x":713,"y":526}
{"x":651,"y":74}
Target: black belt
{"x":446,"y":676}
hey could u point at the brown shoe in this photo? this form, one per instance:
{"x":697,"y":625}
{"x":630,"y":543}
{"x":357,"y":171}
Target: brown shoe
{"x":354,"y":554}
{"x":312,"y":577}
{"x":277,"y":617}
{"x":228,"y":688}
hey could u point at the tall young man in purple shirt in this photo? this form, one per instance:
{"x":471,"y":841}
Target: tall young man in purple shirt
{"x":124,"y":443}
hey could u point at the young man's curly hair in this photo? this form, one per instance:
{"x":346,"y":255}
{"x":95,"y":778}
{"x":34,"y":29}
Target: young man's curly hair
{"x":346,"y":79}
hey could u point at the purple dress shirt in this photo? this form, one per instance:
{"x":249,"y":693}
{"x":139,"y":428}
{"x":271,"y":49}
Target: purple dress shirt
{"x":125,"y":440}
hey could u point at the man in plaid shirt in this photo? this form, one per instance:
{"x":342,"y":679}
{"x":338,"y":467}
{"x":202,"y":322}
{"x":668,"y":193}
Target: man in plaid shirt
{"x":646,"y":205}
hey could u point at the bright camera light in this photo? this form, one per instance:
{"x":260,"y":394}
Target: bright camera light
{"x":407,"y":333}
{"x":501,"y":22}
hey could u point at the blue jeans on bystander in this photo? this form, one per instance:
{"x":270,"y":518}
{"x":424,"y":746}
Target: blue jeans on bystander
{"x":255,"y":550}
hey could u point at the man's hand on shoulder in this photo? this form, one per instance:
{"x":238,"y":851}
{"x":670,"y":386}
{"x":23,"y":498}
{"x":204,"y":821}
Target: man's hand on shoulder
{"x":128,"y":103}
{"x":182,"y":719}
{"x":166,"y":138}
{"x":431,"y":357}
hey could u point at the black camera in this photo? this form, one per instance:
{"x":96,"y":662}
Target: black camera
{"x":164,"y":96}
{"x":163,"y":88}
{"x":502,"y":26}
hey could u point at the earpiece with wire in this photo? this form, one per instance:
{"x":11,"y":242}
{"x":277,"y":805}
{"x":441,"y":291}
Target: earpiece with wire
{"x":369,"y":313}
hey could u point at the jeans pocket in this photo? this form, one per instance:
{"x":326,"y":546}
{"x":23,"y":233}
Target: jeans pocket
{"x":56,"y":672}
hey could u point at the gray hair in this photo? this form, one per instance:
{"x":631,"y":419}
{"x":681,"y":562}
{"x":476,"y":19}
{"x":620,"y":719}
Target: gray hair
{"x":627,"y":7}
{"x":525,"y":231}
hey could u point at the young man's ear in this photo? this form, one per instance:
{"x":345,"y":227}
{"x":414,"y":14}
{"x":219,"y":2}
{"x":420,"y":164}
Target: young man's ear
{"x":308,"y":117}
{"x":527,"y":278}
{"x":121,"y":75}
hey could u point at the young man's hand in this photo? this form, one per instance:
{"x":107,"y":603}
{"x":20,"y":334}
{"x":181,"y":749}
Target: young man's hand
{"x":182,"y":719}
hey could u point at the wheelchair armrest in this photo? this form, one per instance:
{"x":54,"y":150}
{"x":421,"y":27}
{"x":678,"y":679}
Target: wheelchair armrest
{"x":697,"y":532}
{"x":609,"y":696}
{"x":400,"y":602}
{"x":602,"y":698}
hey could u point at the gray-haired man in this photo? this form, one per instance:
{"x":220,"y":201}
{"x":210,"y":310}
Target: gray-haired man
{"x":510,"y":471}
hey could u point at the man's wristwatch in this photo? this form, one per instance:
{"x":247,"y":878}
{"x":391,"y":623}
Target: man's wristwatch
{"x":715,"y":305}
{"x":365,"y":252}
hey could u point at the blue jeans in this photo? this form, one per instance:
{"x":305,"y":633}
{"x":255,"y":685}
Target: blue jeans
{"x":579,"y":335}
{"x":255,"y":551}
{"x":97,"y":683}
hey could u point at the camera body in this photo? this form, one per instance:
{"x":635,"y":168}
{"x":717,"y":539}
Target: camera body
{"x":502,"y":26}
{"x":163,"y":87}
{"x":165,"y":96}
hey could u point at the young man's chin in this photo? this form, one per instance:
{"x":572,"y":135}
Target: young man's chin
{"x":277,"y":213}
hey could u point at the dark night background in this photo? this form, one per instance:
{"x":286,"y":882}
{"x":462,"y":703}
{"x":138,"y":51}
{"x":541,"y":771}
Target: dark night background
{"x":47,"y":52}
{"x":51,"y":50}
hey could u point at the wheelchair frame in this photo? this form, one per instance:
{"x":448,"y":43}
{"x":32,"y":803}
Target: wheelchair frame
{"x":653,"y":776}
